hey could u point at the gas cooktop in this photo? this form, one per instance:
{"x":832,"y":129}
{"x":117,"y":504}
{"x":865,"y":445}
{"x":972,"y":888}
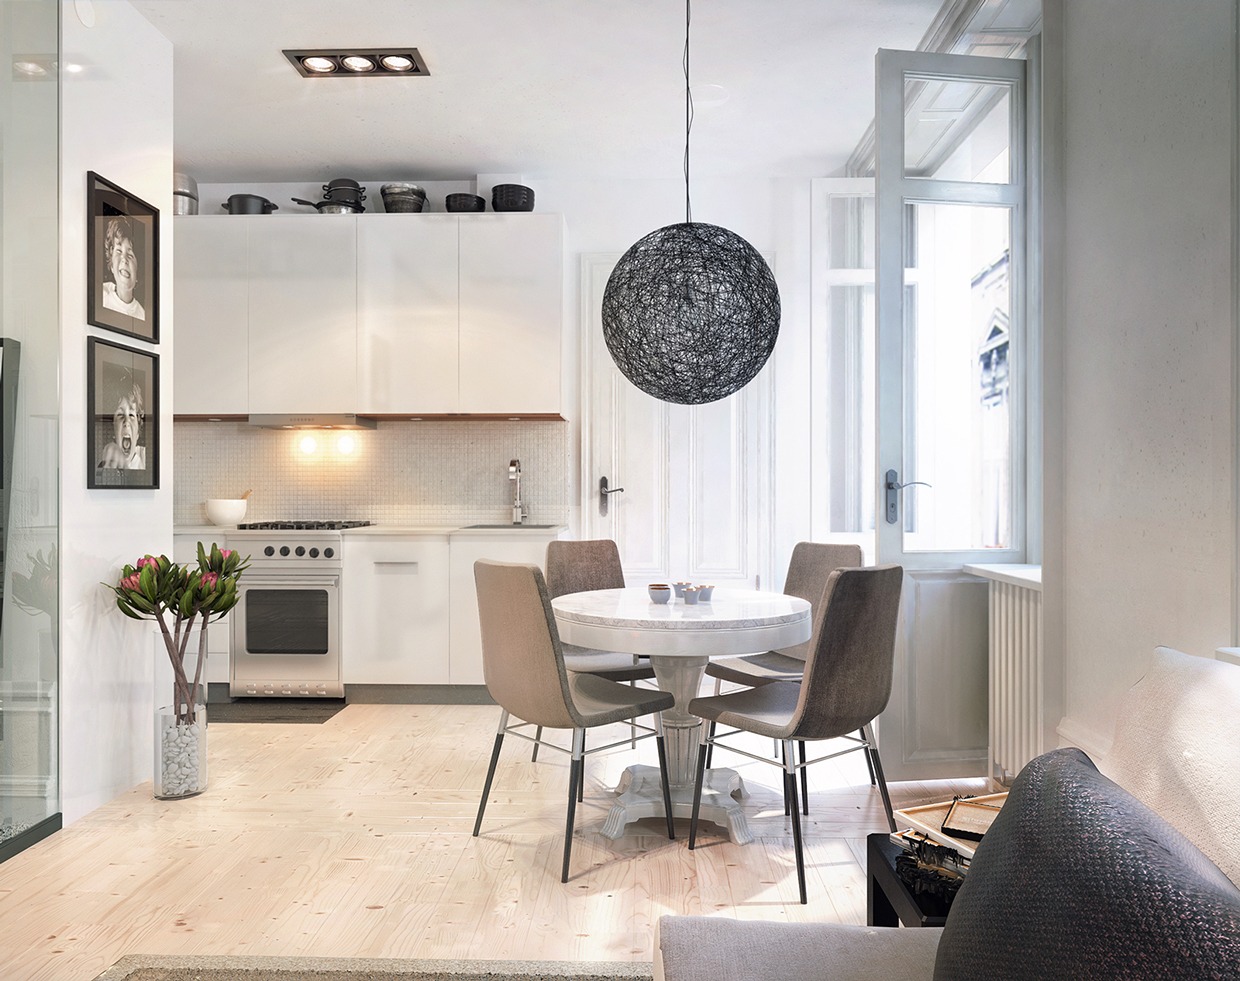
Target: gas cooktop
{"x":301,"y":525}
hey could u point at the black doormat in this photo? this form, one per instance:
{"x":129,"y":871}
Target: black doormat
{"x":298,"y":711}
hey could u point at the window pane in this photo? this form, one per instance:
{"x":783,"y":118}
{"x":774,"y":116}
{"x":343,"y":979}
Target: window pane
{"x":850,"y":415}
{"x":957,"y":131}
{"x":957,"y":351}
{"x":850,"y":231}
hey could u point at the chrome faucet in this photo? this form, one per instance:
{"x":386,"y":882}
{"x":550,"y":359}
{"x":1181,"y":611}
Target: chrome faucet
{"x":518,"y":509}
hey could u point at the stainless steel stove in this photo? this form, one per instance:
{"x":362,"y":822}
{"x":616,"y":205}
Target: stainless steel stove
{"x":286,"y":625}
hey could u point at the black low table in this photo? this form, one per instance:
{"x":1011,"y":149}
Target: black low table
{"x":888,"y":901}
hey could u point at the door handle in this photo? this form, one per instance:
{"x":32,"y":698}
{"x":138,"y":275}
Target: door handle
{"x":604,"y":492}
{"x":893,"y":487}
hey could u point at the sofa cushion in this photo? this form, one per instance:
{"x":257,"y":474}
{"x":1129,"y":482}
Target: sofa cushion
{"x":1177,"y":750}
{"x":1078,"y":879}
{"x":717,"y":948}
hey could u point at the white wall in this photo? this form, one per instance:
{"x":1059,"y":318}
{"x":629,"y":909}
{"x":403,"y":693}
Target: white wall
{"x":1140,"y":547}
{"x":116,"y":119}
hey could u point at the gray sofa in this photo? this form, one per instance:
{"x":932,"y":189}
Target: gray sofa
{"x":1076,"y":879}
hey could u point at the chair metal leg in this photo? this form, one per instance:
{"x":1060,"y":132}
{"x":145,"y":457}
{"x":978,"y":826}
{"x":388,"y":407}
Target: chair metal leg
{"x":537,"y":737}
{"x":868,"y":732}
{"x":804,"y":780}
{"x":710,"y":747}
{"x":790,"y":791}
{"x":576,"y":771}
{"x":581,"y":784}
{"x":667,"y":790}
{"x":868,"y":762}
{"x":783,"y":762}
{"x":633,"y":722}
{"x":702,"y":753}
{"x":486,"y":787}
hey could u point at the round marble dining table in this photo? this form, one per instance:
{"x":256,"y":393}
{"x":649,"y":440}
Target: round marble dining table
{"x":680,"y":639}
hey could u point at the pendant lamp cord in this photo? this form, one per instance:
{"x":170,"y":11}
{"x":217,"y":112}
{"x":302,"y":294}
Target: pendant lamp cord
{"x":688,"y":116}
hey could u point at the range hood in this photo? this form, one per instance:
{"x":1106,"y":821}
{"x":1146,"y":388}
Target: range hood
{"x":312,"y":420}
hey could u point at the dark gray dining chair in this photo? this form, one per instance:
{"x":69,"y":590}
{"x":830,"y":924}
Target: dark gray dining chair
{"x":846,"y":684}
{"x":523,"y":666}
{"x":808,"y":568}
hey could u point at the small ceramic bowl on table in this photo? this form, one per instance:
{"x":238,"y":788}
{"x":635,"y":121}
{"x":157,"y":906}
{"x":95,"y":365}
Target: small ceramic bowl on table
{"x":680,"y":588}
{"x":660,"y":592}
{"x":690,"y":595}
{"x":705,"y":592}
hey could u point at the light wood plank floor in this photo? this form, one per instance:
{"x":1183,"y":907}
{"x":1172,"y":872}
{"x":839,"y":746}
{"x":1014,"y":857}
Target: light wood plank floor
{"x":352,"y":838}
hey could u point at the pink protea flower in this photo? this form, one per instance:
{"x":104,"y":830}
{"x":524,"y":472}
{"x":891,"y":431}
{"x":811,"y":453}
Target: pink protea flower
{"x":209,"y":579}
{"x":147,"y":560}
{"x":131,"y":582}
{"x":226,"y":552}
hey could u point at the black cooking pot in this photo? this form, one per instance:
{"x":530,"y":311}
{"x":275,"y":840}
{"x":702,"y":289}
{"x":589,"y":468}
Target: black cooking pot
{"x":343,"y":189}
{"x":249,"y":204}
{"x":333,"y":207}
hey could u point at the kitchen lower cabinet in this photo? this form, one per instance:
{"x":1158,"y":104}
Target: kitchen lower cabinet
{"x":212,"y":288}
{"x":219,"y":631}
{"x":530,"y":546}
{"x":302,"y":313}
{"x":395,"y":610}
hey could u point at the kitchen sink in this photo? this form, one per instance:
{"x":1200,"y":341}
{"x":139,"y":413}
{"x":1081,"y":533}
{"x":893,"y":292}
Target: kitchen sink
{"x":509,"y":525}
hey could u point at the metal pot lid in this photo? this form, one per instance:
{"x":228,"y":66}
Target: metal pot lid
{"x":184,"y":184}
{"x":342,"y":182}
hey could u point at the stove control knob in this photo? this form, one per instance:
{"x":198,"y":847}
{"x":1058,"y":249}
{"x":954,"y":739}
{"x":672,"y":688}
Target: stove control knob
{"x":301,"y":550}
{"x":328,"y":552}
{"x":284,"y":550}
{"x":314,"y":553}
{"x":269,"y":550}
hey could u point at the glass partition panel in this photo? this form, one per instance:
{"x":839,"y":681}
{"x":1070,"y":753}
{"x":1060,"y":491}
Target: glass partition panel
{"x":958,"y":130}
{"x":29,"y":428}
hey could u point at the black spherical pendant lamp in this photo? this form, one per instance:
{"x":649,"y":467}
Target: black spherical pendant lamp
{"x":691,"y":311}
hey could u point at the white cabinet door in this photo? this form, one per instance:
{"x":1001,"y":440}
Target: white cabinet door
{"x":465,"y":667}
{"x":303,"y":313}
{"x":394,"y":611}
{"x":407,"y":313}
{"x":511,"y":310}
{"x":212,"y":316}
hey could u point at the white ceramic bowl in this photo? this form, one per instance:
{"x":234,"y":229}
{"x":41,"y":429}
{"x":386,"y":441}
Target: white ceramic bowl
{"x":226,"y":510}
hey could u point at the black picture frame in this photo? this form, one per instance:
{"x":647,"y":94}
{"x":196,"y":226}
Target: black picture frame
{"x":122,"y":412}
{"x":114,"y":216}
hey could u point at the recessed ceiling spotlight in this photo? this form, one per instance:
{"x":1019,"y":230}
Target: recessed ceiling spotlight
{"x":372,"y":62}
{"x":32,"y":68}
{"x":318,"y":65}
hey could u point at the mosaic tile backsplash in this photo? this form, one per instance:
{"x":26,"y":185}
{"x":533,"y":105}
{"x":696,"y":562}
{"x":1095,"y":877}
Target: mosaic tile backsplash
{"x":400,"y":473}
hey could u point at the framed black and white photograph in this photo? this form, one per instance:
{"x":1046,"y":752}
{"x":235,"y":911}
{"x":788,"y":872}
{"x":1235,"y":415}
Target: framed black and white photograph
{"x":122,"y":261}
{"x":122,"y":398}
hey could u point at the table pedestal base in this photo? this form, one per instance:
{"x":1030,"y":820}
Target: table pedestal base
{"x":641,"y":796}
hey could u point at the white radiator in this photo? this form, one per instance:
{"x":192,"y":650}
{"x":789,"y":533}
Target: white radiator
{"x":1016,"y":731}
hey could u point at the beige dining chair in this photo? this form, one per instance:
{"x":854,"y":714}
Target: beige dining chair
{"x":523,"y":666}
{"x":808,"y":568}
{"x":579,"y":567}
{"x":846,"y":684}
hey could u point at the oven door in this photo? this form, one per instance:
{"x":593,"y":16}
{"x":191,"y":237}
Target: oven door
{"x":286,"y":636}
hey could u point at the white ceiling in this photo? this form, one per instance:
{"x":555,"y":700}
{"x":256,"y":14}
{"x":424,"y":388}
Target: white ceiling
{"x":543,"y":88}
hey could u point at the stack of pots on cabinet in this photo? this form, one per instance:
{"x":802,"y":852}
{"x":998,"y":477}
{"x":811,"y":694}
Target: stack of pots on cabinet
{"x":402,"y":197}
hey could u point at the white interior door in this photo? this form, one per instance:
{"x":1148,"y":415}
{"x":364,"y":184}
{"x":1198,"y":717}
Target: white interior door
{"x":689,"y":485}
{"x":950,"y":412}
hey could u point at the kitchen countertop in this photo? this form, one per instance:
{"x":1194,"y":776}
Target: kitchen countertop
{"x":381,"y":530}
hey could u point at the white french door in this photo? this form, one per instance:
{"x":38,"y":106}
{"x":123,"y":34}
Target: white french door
{"x":950,"y":456}
{"x":688,"y":486}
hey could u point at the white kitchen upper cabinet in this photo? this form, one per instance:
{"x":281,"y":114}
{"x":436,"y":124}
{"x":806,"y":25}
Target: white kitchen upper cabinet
{"x":394,"y":610}
{"x":511,"y":303}
{"x":212,"y":283}
{"x":303,"y":313}
{"x":407,"y":314}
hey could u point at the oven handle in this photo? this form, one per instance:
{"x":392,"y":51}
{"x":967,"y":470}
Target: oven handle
{"x":251,"y":582}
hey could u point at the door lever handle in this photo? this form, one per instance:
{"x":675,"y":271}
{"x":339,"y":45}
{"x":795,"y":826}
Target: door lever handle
{"x":893,"y":487}
{"x":603,"y":493}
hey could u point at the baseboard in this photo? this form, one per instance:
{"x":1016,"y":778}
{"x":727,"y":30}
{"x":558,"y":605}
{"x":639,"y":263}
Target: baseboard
{"x":390,"y":694}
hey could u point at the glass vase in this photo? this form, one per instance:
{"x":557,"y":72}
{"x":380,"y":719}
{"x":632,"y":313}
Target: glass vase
{"x":180,"y":751}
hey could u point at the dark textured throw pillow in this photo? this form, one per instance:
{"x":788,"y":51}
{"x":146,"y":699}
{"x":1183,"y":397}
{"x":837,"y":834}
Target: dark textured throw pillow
{"x":1078,"y":879}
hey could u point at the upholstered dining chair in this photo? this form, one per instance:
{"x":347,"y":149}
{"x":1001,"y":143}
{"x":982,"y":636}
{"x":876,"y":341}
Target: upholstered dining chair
{"x":523,"y":666}
{"x":808,"y":568}
{"x":846,"y":684}
{"x":578,"y":567}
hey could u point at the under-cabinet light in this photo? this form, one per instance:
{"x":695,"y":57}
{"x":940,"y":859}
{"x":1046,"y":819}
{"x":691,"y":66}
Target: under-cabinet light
{"x":308,"y":444}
